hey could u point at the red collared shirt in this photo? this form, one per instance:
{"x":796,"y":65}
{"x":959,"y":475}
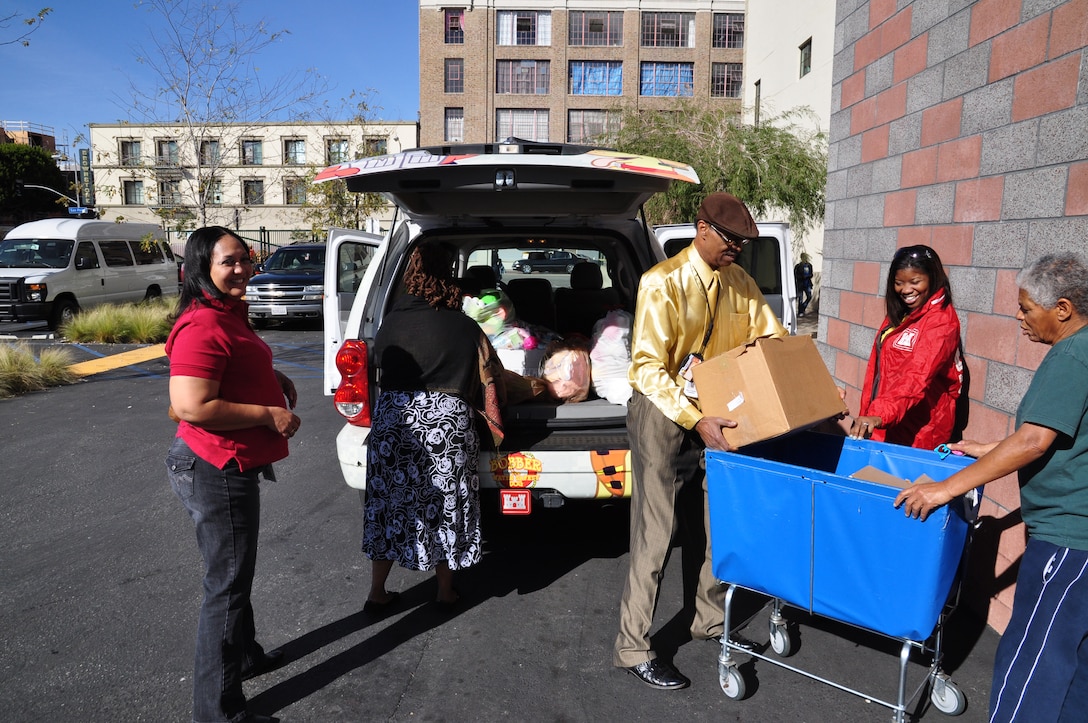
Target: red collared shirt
{"x":215,"y":342}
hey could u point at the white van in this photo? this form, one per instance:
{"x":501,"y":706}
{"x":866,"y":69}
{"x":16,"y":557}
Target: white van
{"x":768,"y":260}
{"x":52,"y":269}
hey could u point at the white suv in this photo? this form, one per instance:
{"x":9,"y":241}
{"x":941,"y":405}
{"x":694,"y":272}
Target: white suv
{"x":492,"y":203}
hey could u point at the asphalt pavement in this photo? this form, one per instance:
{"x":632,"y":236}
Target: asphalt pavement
{"x":100,"y":587}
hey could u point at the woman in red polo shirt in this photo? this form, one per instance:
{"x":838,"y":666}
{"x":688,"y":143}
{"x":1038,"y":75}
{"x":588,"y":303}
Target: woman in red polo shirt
{"x":234,"y":423}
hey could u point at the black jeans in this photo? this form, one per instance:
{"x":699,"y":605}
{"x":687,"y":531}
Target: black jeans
{"x":225,"y":505}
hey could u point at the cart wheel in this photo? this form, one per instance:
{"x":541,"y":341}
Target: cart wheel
{"x":732,"y":682}
{"x":947,"y":697}
{"x":781,"y":640}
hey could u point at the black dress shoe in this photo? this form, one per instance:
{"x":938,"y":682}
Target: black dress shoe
{"x":266,"y":663}
{"x":657,"y":673}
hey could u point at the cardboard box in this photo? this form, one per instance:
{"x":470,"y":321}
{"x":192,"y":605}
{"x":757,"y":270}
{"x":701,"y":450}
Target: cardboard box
{"x":768,"y":387}
{"x":869,"y":473}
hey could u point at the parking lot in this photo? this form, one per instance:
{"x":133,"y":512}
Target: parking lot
{"x":102,"y":585}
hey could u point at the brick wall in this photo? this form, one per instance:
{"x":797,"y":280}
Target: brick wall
{"x":963,"y":125}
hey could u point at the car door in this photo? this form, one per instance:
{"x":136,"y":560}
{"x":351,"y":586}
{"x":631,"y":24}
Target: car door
{"x":348,"y":258}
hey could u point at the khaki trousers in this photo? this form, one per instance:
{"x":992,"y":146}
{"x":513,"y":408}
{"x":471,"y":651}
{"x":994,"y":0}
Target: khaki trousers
{"x":668,"y":493}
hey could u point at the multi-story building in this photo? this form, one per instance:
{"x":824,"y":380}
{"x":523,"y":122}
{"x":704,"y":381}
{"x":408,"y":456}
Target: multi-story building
{"x":562,"y":70}
{"x":238,"y":175}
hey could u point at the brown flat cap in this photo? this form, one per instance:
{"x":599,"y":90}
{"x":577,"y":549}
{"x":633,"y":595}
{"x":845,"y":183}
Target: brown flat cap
{"x":726,"y":211}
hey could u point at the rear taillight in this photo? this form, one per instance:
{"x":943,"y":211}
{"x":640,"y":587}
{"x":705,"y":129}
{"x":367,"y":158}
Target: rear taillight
{"x":352,"y":398}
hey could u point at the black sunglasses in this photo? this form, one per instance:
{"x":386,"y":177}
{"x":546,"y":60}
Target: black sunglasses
{"x":914,"y":252}
{"x":735,"y":240}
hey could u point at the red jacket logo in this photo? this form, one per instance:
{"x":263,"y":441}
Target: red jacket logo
{"x":906,"y":340}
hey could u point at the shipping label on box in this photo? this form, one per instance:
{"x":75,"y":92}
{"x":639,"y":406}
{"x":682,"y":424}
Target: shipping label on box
{"x":769,"y":387}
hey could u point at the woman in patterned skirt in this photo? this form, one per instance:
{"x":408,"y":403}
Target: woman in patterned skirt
{"x":422,"y":508}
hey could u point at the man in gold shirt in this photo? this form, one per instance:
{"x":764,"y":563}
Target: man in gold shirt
{"x":691,"y":307}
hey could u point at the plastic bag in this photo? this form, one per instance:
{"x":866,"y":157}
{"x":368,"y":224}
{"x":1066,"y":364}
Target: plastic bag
{"x":611,"y":356}
{"x":566,"y":369}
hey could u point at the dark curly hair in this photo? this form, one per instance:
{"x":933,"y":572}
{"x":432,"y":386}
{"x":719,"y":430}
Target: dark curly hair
{"x":429,"y":276}
{"x":924,"y":259}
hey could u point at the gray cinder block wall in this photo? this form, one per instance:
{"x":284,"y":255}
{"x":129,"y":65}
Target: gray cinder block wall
{"x":962,"y":125}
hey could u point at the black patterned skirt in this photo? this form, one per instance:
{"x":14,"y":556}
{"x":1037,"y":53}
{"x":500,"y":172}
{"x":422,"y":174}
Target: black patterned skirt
{"x":422,"y":485}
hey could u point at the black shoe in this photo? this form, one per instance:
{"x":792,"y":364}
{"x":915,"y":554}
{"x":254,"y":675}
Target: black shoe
{"x":379,"y":609}
{"x":659,"y":674}
{"x":266,"y":663}
{"x":259,"y":718}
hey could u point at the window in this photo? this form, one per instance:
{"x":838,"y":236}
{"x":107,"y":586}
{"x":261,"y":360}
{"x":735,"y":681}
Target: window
{"x":294,"y":151}
{"x":170,"y":192}
{"x":726,"y":80}
{"x":524,"y":27}
{"x":595,"y":27}
{"x":596,"y":77}
{"x":728,"y":30}
{"x":455,"y":75}
{"x":209,"y":153}
{"x":806,"y":58}
{"x":149,"y":253}
{"x":455,"y":27}
{"x":530,"y":124}
{"x":133,"y":192}
{"x":130,"y":153}
{"x":376,"y":146}
{"x":212,"y":191}
{"x":116,"y":253}
{"x":86,"y":258}
{"x":166,"y":153}
{"x":672,"y":79}
{"x":253,"y":192}
{"x":252,"y":153}
{"x":668,"y":30}
{"x":454,"y":125}
{"x":584,"y":126}
{"x":523,"y":77}
{"x":294,"y":191}
{"x":336,"y":150}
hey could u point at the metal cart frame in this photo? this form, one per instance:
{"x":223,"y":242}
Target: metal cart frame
{"x":945,"y":695}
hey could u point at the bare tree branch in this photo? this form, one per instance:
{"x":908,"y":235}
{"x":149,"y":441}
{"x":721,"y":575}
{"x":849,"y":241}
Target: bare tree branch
{"x":32,"y":26}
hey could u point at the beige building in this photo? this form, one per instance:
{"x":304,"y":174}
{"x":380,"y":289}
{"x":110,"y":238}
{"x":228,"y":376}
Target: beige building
{"x":560,"y":71}
{"x":789,"y":54}
{"x":236,"y":175}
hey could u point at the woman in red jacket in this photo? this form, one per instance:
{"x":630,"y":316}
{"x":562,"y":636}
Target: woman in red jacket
{"x":915,"y":372}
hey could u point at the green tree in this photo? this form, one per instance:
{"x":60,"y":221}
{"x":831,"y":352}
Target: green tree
{"x":31,"y":26}
{"x":779,"y":164}
{"x":32,"y":166}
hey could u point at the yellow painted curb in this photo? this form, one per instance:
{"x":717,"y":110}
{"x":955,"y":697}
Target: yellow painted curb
{"x":115,"y":361}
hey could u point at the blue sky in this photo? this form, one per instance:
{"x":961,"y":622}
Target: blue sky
{"x":81,"y":62}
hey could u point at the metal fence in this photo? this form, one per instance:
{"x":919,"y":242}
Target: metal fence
{"x":263,"y":241}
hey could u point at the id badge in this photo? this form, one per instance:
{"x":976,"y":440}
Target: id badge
{"x":690,"y":362}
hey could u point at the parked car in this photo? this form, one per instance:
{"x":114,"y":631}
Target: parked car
{"x":767,"y":259}
{"x":54,"y":268}
{"x":289,"y":285}
{"x":513,"y":197}
{"x":550,"y":261}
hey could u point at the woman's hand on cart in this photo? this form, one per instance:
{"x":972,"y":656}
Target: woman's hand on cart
{"x":862,"y":427}
{"x":710,"y":429}
{"x":921,"y":499}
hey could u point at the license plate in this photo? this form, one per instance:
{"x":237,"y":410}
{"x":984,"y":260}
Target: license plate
{"x":279,"y":311}
{"x":516,"y":502}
